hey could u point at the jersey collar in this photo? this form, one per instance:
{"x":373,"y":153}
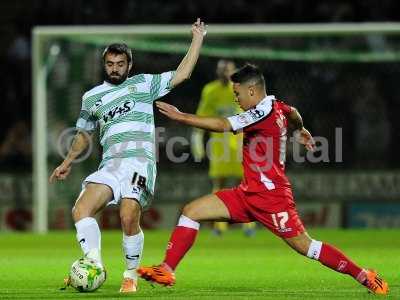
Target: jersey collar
{"x":267,"y":99}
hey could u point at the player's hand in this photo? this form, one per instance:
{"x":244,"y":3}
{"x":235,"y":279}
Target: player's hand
{"x":60,"y":173}
{"x":304,"y":137}
{"x":199,"y":29}
{"x":169,"y":110}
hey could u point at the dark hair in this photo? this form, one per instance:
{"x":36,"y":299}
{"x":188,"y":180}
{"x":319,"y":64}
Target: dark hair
{"x":248,"y":73}
{"x":118,"y":49}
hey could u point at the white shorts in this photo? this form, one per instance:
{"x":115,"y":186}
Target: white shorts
{"x":127,"y":178}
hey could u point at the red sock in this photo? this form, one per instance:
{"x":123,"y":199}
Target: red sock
{"x":180,"y":242}
{"x":336,"y":260}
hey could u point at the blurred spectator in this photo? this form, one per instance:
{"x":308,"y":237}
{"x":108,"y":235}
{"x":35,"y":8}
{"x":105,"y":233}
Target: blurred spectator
{"x":373,"y":134}
{"x":15,"y":150}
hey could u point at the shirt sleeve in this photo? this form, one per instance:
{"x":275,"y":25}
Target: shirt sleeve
{"x":250,"y":116}
{"x":286,"y":109}
{"x":86,"y":120}
{"x":159,"y":84}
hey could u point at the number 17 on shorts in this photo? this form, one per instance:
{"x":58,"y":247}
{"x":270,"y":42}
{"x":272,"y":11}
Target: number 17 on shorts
{"x":286,"y":224}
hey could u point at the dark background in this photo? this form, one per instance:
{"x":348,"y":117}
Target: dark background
{"x":18,"y":18}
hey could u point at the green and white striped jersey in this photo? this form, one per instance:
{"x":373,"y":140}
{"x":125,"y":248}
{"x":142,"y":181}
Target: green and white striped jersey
{"x":124,"y":114}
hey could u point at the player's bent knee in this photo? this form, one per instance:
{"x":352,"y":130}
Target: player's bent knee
{"x":189,"y":211}
{"x":130,"y":224}
{"x":78,"y":213}
{"x":128,"y":220}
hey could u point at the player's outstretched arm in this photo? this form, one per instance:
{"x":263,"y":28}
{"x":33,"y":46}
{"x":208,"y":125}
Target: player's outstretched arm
{"x":207,"y":123}
{"x":79,"y":144}
{"x":302,"y":135}
{"x":187,"y":64}
{"x":295,"y":119}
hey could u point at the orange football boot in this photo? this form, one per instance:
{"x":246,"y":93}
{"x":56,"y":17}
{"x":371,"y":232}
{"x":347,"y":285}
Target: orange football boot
{"x":375,"y":284}
{"x":159,"y":274}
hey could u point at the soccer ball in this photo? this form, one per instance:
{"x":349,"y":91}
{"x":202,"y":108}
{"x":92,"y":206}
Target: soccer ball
{"x":86,"y":275}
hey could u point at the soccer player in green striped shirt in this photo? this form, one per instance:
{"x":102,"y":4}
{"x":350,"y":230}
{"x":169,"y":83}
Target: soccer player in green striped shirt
{"x":122,"y":108}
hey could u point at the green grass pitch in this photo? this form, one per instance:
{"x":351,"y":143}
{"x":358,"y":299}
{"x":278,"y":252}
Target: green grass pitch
{"x":228,"y":267}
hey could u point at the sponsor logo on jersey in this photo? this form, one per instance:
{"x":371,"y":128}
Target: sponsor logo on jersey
{"x":119,"y":111}
{"x":98,"y":103}
{"x":284,"y":229}
{"x":132,"y":88}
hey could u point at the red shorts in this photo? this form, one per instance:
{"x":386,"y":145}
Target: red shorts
{"x":275,"y":209}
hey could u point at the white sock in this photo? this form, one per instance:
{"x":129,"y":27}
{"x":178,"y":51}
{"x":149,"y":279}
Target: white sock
{"x":133,"y":247}
{"x":89,"y":237}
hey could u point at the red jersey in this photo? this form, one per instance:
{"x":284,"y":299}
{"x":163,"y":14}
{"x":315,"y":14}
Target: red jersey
{"x":264,"y":144}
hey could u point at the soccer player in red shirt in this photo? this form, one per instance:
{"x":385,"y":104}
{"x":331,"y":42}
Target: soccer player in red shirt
{"x":265,"y":193}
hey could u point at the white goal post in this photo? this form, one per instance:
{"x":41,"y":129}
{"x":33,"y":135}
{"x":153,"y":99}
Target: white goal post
{"x":42,"y":34}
